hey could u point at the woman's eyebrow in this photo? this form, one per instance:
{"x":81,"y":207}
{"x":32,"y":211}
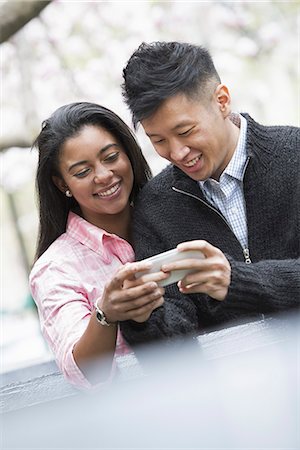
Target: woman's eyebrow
{"x":78,"y":163}
{"x":85,"y":161}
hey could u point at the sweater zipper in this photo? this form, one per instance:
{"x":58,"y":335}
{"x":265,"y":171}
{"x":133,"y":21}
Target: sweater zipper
{"x":246,"y":251}
{"x":247,"y":255}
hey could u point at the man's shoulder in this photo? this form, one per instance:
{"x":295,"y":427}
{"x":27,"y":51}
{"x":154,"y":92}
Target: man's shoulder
{"x":160,"y":183}
{"x":281,"y":138}
{"x":284,"y":130}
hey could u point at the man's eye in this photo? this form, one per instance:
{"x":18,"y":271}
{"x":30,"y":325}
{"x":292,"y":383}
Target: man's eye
{"x":184,"y":133}
{"x":82,"y":173}
{"x":159,"y":141}
{"x":111,"y":157}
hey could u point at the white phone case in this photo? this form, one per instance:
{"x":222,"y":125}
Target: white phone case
{"x":168,"y":257}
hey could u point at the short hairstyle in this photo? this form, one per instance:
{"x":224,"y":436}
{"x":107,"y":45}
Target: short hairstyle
{"x":66,"y":122}
{"x":159,"y":70}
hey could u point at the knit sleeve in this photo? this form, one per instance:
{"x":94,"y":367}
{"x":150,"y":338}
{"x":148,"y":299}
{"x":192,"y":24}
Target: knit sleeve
{"x":265,"y":286}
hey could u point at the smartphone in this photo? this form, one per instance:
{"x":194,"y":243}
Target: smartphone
{"x":168,"y":257}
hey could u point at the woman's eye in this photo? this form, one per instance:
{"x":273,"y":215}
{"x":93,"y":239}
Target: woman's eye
{"x":111,"y":157}
{"x":159,"y":141}
{"x":82,"y":173}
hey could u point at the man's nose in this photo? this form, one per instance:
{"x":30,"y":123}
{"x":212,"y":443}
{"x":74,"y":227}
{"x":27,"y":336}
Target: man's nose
{"x":178,"y":151}
{"x":102,"y":174}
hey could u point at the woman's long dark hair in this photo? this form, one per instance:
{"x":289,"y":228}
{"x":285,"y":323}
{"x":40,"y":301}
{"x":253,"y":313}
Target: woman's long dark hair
{"x":66,"y":122}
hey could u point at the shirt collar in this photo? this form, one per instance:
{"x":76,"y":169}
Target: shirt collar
{"x":236,"y":166}
{"x":237,"y":163}
{"x":97,"y":239}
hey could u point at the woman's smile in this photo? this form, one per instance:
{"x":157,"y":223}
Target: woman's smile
{"x":110,"y":192}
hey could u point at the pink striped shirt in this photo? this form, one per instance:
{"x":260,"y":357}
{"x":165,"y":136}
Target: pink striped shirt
{"x":65,"y":283}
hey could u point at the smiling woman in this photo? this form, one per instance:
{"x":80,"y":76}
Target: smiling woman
{"x":96,"y":170}
{"x":89,"y":173}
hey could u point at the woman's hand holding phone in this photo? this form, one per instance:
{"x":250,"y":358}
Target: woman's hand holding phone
{"x":128,"y":298}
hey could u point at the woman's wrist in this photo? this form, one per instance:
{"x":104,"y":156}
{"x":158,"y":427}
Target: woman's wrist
{"x":101,"y":316}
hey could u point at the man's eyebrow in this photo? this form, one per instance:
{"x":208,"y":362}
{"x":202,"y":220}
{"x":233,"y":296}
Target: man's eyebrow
{"x":179,"y":125}
{"x":85,"y":161}
{"x":152,"y":134}
{"x":184,"y":123}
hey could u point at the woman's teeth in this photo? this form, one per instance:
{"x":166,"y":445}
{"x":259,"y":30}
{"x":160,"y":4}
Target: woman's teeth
{"x":109,"y":191}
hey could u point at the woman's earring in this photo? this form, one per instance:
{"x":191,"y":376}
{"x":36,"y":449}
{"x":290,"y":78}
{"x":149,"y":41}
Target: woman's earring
{"x":68,"y":193}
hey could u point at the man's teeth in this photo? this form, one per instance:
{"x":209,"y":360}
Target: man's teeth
{"x":109,"y":191}
{"x":192,"y":162}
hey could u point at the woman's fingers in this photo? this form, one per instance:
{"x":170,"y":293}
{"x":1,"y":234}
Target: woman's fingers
{"x":137,"y":297}
{"x":143,"y":314}
{"x":119,"y":303}
{"x":156,"y":276}
{"x":126,"y":297}
{"x":138,"y":310}
{"x":128,"y":271}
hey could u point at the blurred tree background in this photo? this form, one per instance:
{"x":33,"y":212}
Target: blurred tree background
{"x":56,"y":52}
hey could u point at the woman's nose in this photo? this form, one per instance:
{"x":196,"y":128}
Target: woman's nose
{"x":102,"y":174}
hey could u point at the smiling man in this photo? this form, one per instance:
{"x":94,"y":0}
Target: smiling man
{"x":231,"y":191}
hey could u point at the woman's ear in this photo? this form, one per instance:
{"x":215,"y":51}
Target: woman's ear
{"x":59,"y":183}
{"x":223,"y":99}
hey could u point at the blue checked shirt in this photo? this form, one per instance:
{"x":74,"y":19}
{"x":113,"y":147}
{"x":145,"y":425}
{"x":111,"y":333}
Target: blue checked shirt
{"x":227,"y":193}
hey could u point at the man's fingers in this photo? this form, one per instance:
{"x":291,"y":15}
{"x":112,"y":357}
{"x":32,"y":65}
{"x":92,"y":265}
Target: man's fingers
{"x":205,"y":247}
{"x":217,"y":292}
{"x":184,"y":264}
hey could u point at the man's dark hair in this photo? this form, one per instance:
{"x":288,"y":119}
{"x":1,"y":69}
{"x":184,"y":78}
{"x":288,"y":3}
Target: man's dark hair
{"x":159,"y":70}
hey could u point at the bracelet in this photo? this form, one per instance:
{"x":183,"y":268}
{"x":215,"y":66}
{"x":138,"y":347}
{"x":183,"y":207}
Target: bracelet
{"x":100,"y":316}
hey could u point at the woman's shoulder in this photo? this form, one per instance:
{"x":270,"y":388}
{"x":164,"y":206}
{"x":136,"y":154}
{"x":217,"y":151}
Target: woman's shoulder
{"x":57,"y":255}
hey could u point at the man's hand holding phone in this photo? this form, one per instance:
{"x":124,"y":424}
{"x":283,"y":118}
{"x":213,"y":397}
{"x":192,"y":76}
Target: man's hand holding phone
{"x":196,"y":266}
{"x":169,"y":258}
{"x":209,"y":275}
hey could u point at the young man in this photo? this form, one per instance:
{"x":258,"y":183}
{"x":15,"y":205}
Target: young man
{"x":231,"y":191}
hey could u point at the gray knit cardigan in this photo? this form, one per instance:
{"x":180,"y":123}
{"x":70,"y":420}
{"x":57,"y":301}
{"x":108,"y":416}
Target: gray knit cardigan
{"x":171,"y":209}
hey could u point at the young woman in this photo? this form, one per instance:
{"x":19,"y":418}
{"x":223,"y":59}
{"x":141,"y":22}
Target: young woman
{"x":90,"y":170}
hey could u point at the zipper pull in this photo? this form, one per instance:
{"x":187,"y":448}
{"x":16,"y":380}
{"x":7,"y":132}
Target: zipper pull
{"x":247,"y":256}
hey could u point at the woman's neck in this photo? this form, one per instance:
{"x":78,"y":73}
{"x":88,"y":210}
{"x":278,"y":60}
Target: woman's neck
{"x":118,"y":224}
{"x":121,"y":224}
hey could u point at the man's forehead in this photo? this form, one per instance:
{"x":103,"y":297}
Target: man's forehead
{"x":174,"y":113}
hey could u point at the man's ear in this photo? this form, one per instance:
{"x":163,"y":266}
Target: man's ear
{"x":223,"y":99}
{"x":59,"y":183}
